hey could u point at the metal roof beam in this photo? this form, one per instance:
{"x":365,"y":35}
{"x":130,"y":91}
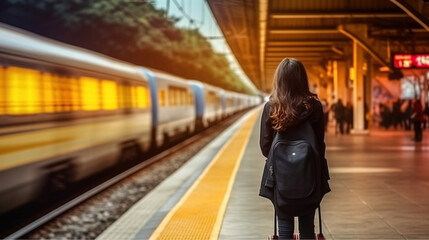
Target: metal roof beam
{"x":358,"y":33}
{"x":304,"y":54}
{"x":303,"y":31}
{"x":417,"y":9}
{"x":294,"y":15}
{"x":302,"y":58}
{"x":307,"y":43}
{"x":299,"y":49}
{"x":275,"y":65}
{"x":277,"y":61}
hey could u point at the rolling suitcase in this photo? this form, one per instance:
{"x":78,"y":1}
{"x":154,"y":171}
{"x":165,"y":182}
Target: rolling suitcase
{"x":318,"y":236}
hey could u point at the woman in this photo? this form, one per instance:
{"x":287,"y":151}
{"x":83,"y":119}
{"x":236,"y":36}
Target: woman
{"x":290,"y":104}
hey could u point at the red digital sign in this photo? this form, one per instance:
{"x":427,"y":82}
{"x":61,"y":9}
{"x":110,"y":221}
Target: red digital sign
{"x":411,"y":60}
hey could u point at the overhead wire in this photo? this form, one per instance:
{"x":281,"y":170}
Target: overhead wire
{"x":191,"y":20}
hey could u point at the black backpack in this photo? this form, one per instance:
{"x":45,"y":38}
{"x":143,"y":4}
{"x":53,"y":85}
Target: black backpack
{"x":295,"y":171}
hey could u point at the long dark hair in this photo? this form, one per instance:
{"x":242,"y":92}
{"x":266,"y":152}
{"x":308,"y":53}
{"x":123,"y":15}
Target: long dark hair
{"x":291,"y":94}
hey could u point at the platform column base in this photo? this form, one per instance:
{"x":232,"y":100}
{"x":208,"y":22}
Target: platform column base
{"x":359,"y":132}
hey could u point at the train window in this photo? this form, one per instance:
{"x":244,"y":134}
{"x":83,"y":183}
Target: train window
{"x":56,"y":87}
{"x":60,"y":93}
{"x":136,"y":97}
{"x":65,"y":93}
{"x":140,"y":97}
{"x":124,"y":96}
{"x":109,"y":93}
{"x":90,"y":93}
{"x":2,"y":92}
{"x":56,"y":93}
{"x":133,"y":96}
{"x":230,"y":102}
{"x":148,"y":99}
{"x":75,"y":94}
{"x":171,"y":94}
{"x":211,"y":97}
{"x":191,"y":99}
{"x":162,"y":99}
{"x":48,"y":93}
{"x":178,"y":96}
{"x":184,"y":97}
{"x":173,"y":97}
{"x":120,"y":96}
{"x":23,"y":94}
{"x":145,"y":96}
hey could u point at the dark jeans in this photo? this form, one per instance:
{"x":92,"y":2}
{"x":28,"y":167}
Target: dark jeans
{"x":306,"y":227}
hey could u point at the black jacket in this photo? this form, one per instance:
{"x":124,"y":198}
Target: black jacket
{"x":316,"y":119}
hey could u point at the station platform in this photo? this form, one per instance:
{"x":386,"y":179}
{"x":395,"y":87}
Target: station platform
{"x":380,"y":190}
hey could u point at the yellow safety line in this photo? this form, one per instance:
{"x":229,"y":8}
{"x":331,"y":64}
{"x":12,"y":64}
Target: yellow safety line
{"x":199,"y":213}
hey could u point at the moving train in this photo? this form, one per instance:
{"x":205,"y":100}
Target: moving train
{"x":67,"y":113}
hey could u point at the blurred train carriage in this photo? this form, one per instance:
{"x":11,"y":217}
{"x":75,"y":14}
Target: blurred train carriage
{"x":208,"y":102}
{"x":173,"y":108}
{"x":67,"y":113}
{"x":228,"y":103}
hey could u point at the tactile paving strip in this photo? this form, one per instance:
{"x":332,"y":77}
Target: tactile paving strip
{"x":199,"y":213}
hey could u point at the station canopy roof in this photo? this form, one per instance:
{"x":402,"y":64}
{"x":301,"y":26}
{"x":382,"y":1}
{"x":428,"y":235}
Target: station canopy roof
{"x":261,"y":33}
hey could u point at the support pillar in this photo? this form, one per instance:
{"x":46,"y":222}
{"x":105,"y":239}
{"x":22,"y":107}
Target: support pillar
{"x":340,"y":78}
{"x":358,"y":90}
{"x":368,"y":93}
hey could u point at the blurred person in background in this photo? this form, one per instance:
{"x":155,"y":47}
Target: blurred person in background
{"x":418,"y":117}
{"x":385,"y":116}
{"x":348,"y":116}
{"x":426,"y":115}
{"x":407,"y":115}
{"x":396,"y":114}
{"x":338,"y":109}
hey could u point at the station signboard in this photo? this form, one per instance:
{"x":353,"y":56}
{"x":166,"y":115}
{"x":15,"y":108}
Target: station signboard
{"x":404,"y":61}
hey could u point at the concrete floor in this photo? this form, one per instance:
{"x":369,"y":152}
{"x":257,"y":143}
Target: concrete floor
{"x":380,"y":186}
{"x":380,"y":189}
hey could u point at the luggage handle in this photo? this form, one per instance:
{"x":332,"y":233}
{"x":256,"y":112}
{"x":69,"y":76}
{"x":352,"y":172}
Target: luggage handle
{"x":274,"y":236}
{"x":320,"y":236}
